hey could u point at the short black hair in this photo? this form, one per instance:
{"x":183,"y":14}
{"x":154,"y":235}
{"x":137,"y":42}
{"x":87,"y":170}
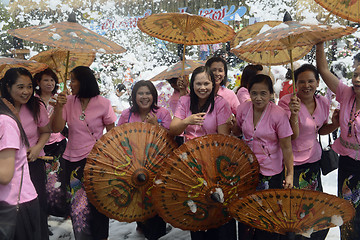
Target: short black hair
{"x":88,"y":85}
{"x":120,"y":87}
{"x":259,"y":78}
{"x":357,"y":57}
{"x":49,"y":72}
{"x":218,"y":59}
{"x":135,"y":107}
{"x":304,"y":68}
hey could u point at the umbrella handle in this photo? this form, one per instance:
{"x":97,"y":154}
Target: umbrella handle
{"x":183,"y":62}
{"x":292,"y":70}
{"x":66,"y":69}
{"x":56,"y":66}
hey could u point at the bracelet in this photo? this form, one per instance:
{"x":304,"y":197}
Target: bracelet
{"x":296,"y":121}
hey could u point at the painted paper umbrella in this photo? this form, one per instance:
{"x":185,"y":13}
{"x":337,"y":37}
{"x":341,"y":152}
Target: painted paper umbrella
{"x":6,"y":63}
{"x":292,"y":211}
{"x":349,"y":9}
{"x":56,"y":59}
{"x":121,"y":168}
{"x":200,"y":178}
{"x":270,"y":57}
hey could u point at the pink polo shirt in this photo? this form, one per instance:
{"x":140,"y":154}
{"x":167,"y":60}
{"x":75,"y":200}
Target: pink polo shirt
{"x":30,"y":126}
{"x":217,"y":117}
{"x":243,"y":95}
{"x":264,"y":138}
{"x":84,"y":134}
{"x":306,"y":148}
{"x":173,"y":101}
{"x":230,"y":97}
{"x":346,"y":96}
{"x":162,"y":113}
{"x":10,"y":138}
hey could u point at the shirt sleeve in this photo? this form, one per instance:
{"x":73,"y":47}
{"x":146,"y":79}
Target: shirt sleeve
{"x":342,"y":92}
{"x":9,"y":133}
{"x":223,"y":111}
{"x":123,"y":117}
{"x":109,"y":116}
{"x":283,"y":127}
{"x":165,"y":118}
{"x":181,"y":109}
{"x":284,"y":104}
{"x":43,"y":116}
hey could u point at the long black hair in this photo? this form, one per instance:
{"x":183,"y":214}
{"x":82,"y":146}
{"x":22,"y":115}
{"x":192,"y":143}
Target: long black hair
{"x":194,"y":99}
{"x":49,"y":72}
{"x":10,"y":79}
{"x":88,"y":85}
{"x":5,"y":110}
{"x":142,"y":83}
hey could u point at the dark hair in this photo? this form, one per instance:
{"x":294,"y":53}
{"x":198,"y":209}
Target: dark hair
{"x":88,"y":85}
{"x":249,"y":72}
{"x":49,"y":72}
{"x":218,"y":59}
{"x":120,"y":87}
{"x":194,"y":99}
{"x":357,"y":57}
{"x":172,"y":80}
{"x":262,"y":78}
{"x":4,"y":110}
{"x":10,"y":79}
{"x":304,"y":68}
{"x":142,"y":83}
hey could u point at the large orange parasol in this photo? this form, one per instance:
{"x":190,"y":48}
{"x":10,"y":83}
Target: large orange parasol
{"x":349,"y":9}
{"x":121,"y":167}
{"x":292,"y":211}
{"x":200,"y":178}
{"x":268,"y":58}
{"x":70,"y":36}
{"x":291,"y":34}
{"x":33,"y":66}
{"x":187,"y":29}
{"x":56,"y":59}
{"x":175,"y":70}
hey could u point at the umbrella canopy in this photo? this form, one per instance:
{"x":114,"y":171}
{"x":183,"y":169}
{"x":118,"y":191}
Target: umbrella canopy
{"x":184,"y":28}
{"x":349,"y":10}
{"x":292,"y":211}
{"x":268,"y":58}
{"x":68,"y":35}
{"x":290,"y":34}
{"x":121,"y":167}
{"x":200,"y":178}
{"x":33,"y":66}
{"x":56,"y":60}
{"x":174,"y":71}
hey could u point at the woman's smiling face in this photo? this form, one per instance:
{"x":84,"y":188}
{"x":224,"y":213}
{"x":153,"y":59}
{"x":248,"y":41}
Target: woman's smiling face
{"x":21,"y":90}
{"x":144,"y":98}
{"x":202,"y":85}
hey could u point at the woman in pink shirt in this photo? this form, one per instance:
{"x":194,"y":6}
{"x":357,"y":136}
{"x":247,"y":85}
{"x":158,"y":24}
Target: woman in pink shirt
{"x":144,"y":98}
{"x":348,"y":144}
{"x":17,"y":86}
{"x":308,"y":113}
{"x":218,"y":67}
{"x":199,"y":114}
{"x":266,"y":130}
{"x":16,"y":187}
{"x":86,"y":114}
{"x":47,"y":86}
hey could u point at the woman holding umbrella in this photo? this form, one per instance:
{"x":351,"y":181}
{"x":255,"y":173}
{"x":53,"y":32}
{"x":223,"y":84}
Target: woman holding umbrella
{"x":218,"y":67}
{"x":47,"y":85}
{"x":17,"y":86}
{"x":144,"y":98}
{"x":267,"y":131}
{"x":86,"y":114}
{"x":308,"y":113}
{"x":198,"y":114}
{"x":347,"y":145}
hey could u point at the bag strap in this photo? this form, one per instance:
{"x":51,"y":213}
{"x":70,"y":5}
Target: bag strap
{"x":21,"y":183}
{"x":320,"y":140}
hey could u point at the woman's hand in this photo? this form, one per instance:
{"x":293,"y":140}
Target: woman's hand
{"x":288,"y":182}
{"x":61,"y":99}
{"x":195,"y":119}
{"x":294,"y":105}
{"x":33,"y":153}
{"x":151,"y":118}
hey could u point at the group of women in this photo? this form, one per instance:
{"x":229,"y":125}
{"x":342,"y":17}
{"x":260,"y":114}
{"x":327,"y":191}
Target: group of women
{"x":283,"y":137}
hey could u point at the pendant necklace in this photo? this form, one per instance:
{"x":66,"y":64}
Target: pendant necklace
{"x":351,"y":121}
{"x":82,"y":115}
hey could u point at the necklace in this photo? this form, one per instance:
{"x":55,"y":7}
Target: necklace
{"x":83,"y":107}
{"x":82,"y":116}
{"x":351,"y":121}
